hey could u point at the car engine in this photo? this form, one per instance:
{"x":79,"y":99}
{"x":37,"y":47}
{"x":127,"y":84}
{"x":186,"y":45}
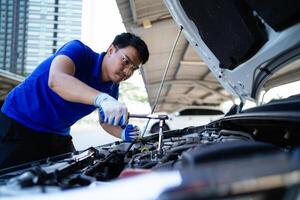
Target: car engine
{"x":214,"y":151}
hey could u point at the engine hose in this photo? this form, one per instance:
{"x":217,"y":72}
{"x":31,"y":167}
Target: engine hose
{"x":174,"y":152}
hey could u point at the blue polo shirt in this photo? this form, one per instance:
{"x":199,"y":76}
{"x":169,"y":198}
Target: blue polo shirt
{"x":33,"y":104}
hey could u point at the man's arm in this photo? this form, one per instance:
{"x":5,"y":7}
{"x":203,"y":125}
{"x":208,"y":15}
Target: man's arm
{"x":62,"y":81}
{"x":128,"y":134}
{"x":113,"y":130}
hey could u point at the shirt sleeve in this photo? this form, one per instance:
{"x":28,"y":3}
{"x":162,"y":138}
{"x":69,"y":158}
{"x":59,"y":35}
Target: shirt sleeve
{"x":75,"y":50}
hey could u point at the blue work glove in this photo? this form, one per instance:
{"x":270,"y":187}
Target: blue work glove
{"x":130,"y":133}
{"x":111,"y":111}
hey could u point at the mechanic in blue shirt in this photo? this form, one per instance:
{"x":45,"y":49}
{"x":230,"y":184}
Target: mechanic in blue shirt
{"x":37,"y":115}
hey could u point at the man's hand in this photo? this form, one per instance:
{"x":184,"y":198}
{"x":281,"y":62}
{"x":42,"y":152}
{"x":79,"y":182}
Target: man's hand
{"x":130,"y":133}
{"x":111,"y":111}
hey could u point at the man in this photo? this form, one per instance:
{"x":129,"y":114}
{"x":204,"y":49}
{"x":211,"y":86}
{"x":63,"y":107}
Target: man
{"x":37,"y":115}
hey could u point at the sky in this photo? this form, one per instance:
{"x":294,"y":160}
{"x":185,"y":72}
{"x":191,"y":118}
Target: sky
{"x":101,"y":21}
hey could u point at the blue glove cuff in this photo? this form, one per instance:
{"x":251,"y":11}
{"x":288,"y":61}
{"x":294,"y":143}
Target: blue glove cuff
{"x":125,"y":133}
{"x":101,"y":115}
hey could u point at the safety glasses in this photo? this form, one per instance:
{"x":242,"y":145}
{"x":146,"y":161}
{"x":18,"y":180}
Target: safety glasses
{"x":128,"y":63}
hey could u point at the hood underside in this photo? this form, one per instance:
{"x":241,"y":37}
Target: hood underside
{"x":239,"y":39}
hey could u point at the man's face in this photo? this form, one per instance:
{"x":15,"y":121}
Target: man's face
{"x":122,"y":63}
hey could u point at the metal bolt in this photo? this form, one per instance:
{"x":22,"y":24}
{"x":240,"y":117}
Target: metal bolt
{"x":287,"y":135}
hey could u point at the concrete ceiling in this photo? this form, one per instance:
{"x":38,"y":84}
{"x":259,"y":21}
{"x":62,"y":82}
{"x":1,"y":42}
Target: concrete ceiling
{"x":188,"y":81}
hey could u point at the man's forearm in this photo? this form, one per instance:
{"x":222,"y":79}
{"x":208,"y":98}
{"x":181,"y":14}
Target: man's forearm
{"x":62,"y":82}
{"x":113,"y":130}
{"x":72,"y":89}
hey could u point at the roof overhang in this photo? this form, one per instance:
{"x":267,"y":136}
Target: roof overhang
{"x":8,"y":81}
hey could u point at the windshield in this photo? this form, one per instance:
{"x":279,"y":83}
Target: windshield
{"x":282,"y":84}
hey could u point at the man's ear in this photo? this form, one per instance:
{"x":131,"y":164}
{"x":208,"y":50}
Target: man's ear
{"x":111,"y":49}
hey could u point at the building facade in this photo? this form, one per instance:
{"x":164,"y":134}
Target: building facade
{"x":31,"y":30}
{"x":13,"y":22}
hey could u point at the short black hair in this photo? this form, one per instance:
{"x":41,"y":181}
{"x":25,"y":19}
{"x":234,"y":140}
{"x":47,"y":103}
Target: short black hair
{"x":124,"y":40}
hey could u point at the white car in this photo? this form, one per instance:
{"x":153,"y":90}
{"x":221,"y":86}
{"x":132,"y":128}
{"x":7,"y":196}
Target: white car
{"x":187,"y":116}
{"x":252,"y":47}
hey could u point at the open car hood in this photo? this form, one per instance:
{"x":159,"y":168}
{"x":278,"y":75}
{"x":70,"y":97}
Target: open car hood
{"x":242,"y":42}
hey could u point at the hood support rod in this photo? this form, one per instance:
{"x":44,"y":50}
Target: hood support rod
{"x":164,"y":77}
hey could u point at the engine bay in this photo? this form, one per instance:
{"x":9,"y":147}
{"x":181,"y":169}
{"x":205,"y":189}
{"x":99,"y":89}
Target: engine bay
{"x":188,"y":150}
